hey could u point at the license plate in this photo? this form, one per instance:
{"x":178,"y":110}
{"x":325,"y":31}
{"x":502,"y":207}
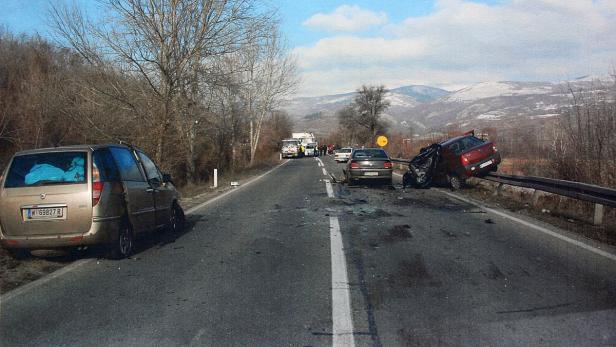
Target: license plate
{"x":45,"y":213}
{"x":370,"y":173}
{"x":489,"y":162}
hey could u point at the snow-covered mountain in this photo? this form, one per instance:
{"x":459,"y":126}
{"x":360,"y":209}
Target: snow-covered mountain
{"x":499,"y":104}
{"x":497,"y":89}
{"x":403,"y":97}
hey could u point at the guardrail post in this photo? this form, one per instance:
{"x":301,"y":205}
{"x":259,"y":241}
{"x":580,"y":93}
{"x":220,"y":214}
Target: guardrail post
{"x":535,"y":198}
{"x":598,"y":217}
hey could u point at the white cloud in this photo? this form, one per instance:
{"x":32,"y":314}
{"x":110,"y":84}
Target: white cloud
{"x":342,"y":79}
{"x":346,"y":18}
{"x":344,"y":50}
{"x":463,"y":42}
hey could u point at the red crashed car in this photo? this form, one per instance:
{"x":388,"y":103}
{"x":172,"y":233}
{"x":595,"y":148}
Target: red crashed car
{"x":454,"y":159}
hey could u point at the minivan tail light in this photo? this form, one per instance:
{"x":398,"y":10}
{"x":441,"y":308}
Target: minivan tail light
{"x":354,"y":165}
{"x":97,"y":189}
{"x":388,"y":165}
{"x":97,"y":185}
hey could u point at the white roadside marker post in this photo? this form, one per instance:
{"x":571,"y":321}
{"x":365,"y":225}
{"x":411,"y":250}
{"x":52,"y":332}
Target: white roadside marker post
{"x":215,"y":178}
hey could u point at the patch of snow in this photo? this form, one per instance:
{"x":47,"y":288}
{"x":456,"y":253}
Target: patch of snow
{"x":489,"y":117}
{"x":398,"y":100}
{"x":494,"y":89}
{"x":336,"y":100}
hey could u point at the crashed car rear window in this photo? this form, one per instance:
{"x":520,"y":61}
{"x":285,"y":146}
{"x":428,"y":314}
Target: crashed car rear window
{"x":47,"y":169}
{"x":370,"y":153}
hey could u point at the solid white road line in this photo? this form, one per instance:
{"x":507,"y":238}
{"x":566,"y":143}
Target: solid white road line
{"x":536,"y":227}
{"x":324,"y":171}
{"x":329,"y":188}
{"x":320,"y":162}
{"x":342,"y":327}
{"x":36,"y":283}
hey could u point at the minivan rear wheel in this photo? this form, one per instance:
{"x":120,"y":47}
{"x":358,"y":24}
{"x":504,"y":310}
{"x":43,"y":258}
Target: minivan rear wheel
{"x":123,"y":246}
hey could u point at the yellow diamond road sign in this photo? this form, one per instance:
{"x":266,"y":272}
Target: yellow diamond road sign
{"x":381,"y":141}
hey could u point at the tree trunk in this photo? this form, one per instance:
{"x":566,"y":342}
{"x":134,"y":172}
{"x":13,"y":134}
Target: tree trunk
{"x":253,"y":145}
{"x":233,"y":153}
{"x":191,"y":172}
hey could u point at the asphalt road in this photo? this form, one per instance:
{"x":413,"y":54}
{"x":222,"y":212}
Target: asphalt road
{"x":268,"y":266}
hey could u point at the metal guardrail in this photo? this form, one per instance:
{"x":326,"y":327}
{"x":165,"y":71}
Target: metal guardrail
{"x":576,"y":190}
{"x":400,"y":161}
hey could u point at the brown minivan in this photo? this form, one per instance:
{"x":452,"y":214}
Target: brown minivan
{"x":84,"y":195}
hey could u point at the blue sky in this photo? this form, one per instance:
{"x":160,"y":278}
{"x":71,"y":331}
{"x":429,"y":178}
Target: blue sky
{"x":340,"y":45}
{"x":29,"y":16}
{"x":294,"y":13}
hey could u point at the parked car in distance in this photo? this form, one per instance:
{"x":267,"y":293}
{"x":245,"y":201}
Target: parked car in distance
{"x":343,"y":154}
{"x":311,"y":150}
{"x":75,"y":196}
{"x":465,"y":156}
{"x":369,"y":164}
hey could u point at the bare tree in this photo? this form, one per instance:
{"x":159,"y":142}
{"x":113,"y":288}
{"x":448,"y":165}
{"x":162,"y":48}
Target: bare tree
{"x":584,"y":147}
{"x":160,"y":41}
{"x":361,"y":121}
{"x":270,"y":75}
{"x":349,"y":130}
{"x":370,"y":104}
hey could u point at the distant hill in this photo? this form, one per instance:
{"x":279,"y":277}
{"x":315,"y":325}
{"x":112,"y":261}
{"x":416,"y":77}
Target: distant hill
{"x":319,"y":112}
{"x":499,"y":104}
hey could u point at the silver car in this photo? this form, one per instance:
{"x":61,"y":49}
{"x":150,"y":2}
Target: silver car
{"x":369,"y":164}
{"x":83,"y":196}
{"x":342,"y":155}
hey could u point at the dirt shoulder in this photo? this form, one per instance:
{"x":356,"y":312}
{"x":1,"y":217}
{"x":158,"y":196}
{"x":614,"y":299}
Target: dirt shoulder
{"x":567,"y":214}
{"x":15,"y":273}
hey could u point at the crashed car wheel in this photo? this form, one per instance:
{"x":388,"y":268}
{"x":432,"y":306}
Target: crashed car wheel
{"x":408,"y":180}
{"x":455,"y":182}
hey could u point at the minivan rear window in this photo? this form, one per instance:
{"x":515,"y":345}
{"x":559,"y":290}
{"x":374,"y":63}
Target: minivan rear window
{"x":47,"y":169}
